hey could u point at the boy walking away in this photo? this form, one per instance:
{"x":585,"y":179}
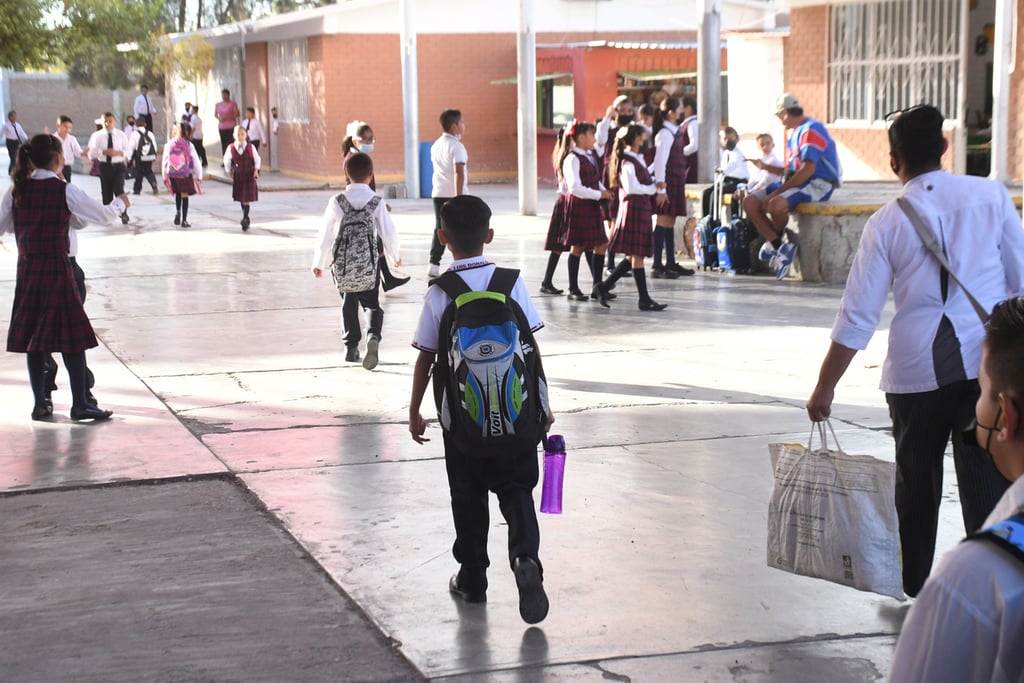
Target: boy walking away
{"x":143,"y":155}
{"x":353,"y":222}
{"x":478,"y":323}
{"x":448,"y":156}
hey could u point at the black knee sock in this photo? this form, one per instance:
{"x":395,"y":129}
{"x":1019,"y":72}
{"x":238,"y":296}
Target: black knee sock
{"x":245,"y":210}
{"x":75,"y":364}
{"x":184,"y":208}
{"x":611,"y":260}
{"x":640,"y":277}
{"x":619,"y":271}
{"x":670,"y":246}
{"x":574,"y":273}
{"x":549,"y":272}
{"x":177,"y":203}
{"x":659,"y":244}
{"x":36,"y":375}
{"x":596,"y":266}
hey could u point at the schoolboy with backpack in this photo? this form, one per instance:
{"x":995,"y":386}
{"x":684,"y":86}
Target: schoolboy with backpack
{"x":143,"y":148}
{"x":347,"y":244}
{"x":475,"y":335}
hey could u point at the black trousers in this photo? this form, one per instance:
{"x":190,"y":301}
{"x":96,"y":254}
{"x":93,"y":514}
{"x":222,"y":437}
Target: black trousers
{"x":226,"y":137}
{"x":351,"y":302}
{"x":67,"y":173}
{"x":144,"y":169}
{"x":12,"y":151}
{"x":470,"y":477}
{"x":148,"y":118}
{"x":255,"y":144}
{"x":436,"y":248}
{"x":111,"y":181}
{"x":200,"y":150}
{"x":922,"y":424}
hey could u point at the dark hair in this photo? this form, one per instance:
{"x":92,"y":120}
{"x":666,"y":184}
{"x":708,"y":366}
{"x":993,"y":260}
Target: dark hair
{"x":762,"y":136}
{"x":565,"y":142}
{"x":626,"y":136}
{"x":39,"y":152}
{"x":225,"y":91}
{"x":915,"y":138}
{"x":359,"y":167}
{"x":347,"y":145}
{"x":1004,"y":340}
{"x":465,"y":220}
{"x":648,"y":110}
{"x":185,"y":130}
{"x":11,"y":113}
{"x":110,"y":114}
{"x":64,"y":118}
{"x":143,"y":86}
{"x":729,"y":130}
{"x":252,"y":109}
{"x":691,"y":102}
{"x":667,"y":105}
{"x":795,"y":111}
{"x":449,"y":117}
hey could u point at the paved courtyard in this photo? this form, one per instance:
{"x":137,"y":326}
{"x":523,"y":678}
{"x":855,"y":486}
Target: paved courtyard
{"x":256,"y":510}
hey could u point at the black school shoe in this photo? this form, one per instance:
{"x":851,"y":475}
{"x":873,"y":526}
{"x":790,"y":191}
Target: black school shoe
{"x":675,"y":267}
{"x":533,"y":601}
{"x":577,"y":295}
{"x":352,"y":354}
{"x":245,"y":224}
{"x":548,"y":288}
{"x":466,"y":596}
{"x":652,"y":306}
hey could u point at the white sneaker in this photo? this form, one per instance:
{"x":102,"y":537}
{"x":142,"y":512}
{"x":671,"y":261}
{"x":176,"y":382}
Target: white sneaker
{"x":767,"y":252}
{"x":784,"y":259}
{"x":434,"y":271}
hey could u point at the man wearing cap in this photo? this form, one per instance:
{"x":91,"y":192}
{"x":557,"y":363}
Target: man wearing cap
{"x":930,"y":374}
{"x":811,"y":173}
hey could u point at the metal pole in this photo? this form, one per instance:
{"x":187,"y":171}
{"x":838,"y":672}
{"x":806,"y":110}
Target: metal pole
{"x":410,"y":98}
{"x":709,"y":87}
{"x":960,"y":131}
{"x":1001,"y":56}
{"x":526,"y":54}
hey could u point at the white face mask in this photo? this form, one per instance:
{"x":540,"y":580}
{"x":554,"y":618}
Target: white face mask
{"x":366,"y":147}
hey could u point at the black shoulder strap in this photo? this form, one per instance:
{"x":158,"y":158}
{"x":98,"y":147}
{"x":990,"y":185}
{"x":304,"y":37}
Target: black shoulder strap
{"x":1007,"y":534}
{"x":452,"y":284}
{"x":503,"y":281}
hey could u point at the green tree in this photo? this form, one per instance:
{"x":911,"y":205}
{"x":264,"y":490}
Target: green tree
{"x":188,"y":60}
{"x":26,"y":39}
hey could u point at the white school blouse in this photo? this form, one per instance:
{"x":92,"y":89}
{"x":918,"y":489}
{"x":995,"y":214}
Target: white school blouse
{"x":628,"y":181}
{"x":662,"y":148}
{"x":571,"y":174}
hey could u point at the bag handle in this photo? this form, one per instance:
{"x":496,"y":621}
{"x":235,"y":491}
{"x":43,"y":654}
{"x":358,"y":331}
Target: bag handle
{"x":822,"y":436}
{"x":932,"y":245}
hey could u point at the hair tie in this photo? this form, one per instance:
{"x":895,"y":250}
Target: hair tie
{"x":622,"y":132}
{"x":570,"y":128}
{"x":352,"y":129}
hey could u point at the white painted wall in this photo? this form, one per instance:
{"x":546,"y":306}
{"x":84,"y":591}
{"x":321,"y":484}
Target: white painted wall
{"x":755,"y":82}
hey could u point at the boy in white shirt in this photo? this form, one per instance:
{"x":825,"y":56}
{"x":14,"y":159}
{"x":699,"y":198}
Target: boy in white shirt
{"x":69,"y":143}
{"x":357,"y":197}
{"x":733,"y":166}
{"x":448,"y":156}
{"x":769,"y":167}
{"x":253,"y":128}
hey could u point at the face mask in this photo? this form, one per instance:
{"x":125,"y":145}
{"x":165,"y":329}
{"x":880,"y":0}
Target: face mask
{"x":624,"y":120}
{"x":366,"y":147}
{"x":970,"y":437}
{"x":730,"y":145}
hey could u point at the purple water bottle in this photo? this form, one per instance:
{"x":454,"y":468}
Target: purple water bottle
{"x":554,"y":468}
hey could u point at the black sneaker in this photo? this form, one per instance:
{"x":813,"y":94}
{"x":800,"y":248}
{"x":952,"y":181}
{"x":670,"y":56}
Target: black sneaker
{"x":352,"y":354}
{"x":186,"y":224}
{"x":456,"y":590}
{"x":533,"y":601}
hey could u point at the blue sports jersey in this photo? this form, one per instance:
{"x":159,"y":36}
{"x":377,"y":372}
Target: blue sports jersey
{"x":810,"y":141}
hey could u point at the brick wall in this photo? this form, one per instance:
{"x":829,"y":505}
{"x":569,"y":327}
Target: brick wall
{"x":805,"y":59}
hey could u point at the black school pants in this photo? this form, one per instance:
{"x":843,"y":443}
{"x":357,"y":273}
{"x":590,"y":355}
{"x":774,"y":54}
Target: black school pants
{"x":111,"y":181}
{"x":144,"y":169}
{"x":200,"y":150}
{"x":12,"y":151}
{"x":351,"y":302}
{"x":470,"y":477}
{"x":436,"y":248}
{"x":922,"y":424}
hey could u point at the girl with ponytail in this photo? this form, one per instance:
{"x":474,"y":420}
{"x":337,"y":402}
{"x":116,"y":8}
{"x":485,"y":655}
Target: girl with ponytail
{"x":48,"y":316}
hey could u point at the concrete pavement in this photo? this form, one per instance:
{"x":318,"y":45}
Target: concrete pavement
{"x":277,"y":488}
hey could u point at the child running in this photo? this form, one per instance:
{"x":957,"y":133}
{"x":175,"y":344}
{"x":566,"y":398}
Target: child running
{"x":242,"y":163}
{"x":583,"y":227}
{"x":354,"y":221}
{"x":632,"y":232}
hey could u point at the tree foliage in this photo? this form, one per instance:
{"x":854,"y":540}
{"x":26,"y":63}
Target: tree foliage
{"x":26,"y":40}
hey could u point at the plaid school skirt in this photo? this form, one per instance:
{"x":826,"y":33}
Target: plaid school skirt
{"x":584,"y":224}
{"x":183,"y":186}
{"x":633,"y":231}
{"x":244,"y":189}
{"x":556,"y":226}
{"x":675,"y":188}
{"x":48,"y":315}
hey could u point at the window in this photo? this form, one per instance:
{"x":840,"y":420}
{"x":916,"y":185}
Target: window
{"x":555,"y":101}
{"x":289,"y":68}
{"x":893,"y":54}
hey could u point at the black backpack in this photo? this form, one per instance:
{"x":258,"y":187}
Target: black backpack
{"x":146,"y":151}
{"x":489,"y":384}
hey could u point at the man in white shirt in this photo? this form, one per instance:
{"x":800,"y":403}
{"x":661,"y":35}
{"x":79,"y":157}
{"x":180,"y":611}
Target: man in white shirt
{"x":930,"y":372}
{"x":144,"y":107}
{"x":253,"y":128}
{"x":15,"y":137}
{"x":449,"y":158}
{"x":967,"y":622}
{"x":197,"y":134}
{"x":69,"y":143}
{"x":110,"y":147}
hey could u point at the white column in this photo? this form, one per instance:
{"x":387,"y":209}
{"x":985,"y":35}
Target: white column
{"x":410,"y":98}
{"x":709,"y":86}
{"x":526,"y":56}
{"x":1002,"y":55}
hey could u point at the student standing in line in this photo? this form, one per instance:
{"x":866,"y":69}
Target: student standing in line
{"x":109,"y":146}
{"x":669,"y":170}
{"x":449,"y":158}
{"x":48,"y":316}
{"x":253,"y":128}
{"x":556,"y":225}
{"x":583,"y":228}
{"x":242,"y":163}
{"x":182,"y":172}
{"x":632,"y":232}
{"x":620,"y":113}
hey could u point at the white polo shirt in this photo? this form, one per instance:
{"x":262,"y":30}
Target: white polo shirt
{"x":476,"y":272}
{"x":976,"y":222}
{"x":447,"y":151}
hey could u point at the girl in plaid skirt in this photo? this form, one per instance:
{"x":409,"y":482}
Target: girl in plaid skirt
{"x":670,"y":175}
{"x":242,"y":163}
{"x":182,"y":172}
{"x":631,"y":234}
{"x":48,"y":315}
{"x":583,"y":224}
{"x":553,"y":243}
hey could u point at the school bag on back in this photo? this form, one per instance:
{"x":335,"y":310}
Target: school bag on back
{"x":489,"y":384}
{"x":146,"y":150}
{"x":179,"y":160}
{"x":354,"y":266}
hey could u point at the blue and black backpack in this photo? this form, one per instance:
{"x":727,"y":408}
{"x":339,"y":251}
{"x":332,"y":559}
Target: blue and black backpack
{"x":489,"y":384}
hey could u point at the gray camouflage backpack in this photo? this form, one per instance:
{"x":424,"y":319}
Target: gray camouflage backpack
{"x":354,"y":266}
